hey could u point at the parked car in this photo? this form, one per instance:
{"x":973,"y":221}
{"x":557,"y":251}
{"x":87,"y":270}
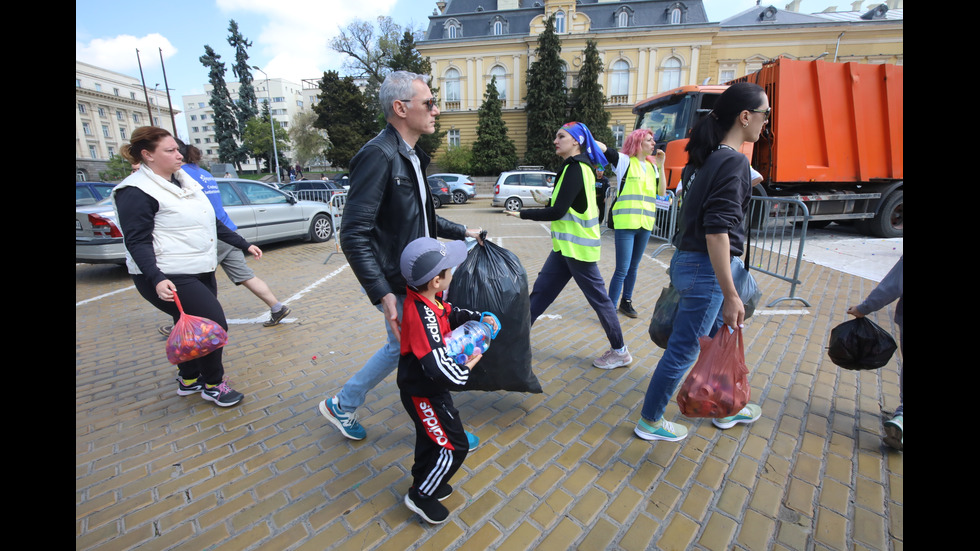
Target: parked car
{"x":87,"y":193}
{"x":440,"y":191}
{"x":313,"y":190}
{"x":262,"y":214}
{"x":513,"y":188}
{"x":342,"y":179}
{"x":461,"y":186}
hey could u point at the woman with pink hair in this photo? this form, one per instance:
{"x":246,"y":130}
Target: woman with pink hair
{"x":638,"y":169}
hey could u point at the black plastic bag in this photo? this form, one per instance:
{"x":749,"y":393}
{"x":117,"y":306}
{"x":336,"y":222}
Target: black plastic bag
{"x":860,"y":344}
{"x":492,"y":279}
{"x":662,"y":322}
{"x":748,"y":289}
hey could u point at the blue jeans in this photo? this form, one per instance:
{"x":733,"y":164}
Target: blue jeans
{"x":630,"y":245}
{"x":698,"y":314}
{"x":379,"y":366}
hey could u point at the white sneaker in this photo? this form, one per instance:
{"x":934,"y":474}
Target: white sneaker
{"x":612,"y":359}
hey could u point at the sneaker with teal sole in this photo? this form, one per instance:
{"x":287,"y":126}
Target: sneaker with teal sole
{"x":894,"y":432}
{"x":749,"y":414}
{"x":472,"y":439}
{"x":346,"y":422}
{"x":661,"y":430}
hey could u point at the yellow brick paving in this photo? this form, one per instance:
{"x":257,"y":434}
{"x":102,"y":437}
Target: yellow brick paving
{"x":557,"y":470}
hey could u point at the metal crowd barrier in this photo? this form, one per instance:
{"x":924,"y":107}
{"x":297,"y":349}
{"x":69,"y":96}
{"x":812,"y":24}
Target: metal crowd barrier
{"x":336,"y":205}
{"x":666,"y":223}
{"x":775,"y":236}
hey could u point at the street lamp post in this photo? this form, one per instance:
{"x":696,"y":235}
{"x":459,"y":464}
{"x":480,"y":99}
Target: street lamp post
{"x":272,"y":122}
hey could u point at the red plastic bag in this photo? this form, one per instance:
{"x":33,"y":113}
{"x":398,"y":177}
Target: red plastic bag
{"x":718,"y":384}
{"x":193,"y":337}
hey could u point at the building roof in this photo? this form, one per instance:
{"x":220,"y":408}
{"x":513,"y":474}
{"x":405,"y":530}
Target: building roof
{"x":770,"y":15}
{"x":476,"y":17}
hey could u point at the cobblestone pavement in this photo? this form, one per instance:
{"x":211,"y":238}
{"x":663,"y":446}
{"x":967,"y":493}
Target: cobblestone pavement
{"x":557,"y":470}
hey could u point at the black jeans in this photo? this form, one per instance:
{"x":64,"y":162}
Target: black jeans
{"x":198,"y":294}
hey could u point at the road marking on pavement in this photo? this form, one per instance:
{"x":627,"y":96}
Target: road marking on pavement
{"x":264,"y":317}
{"x":763,"y":312}
{"x":93,"y":299}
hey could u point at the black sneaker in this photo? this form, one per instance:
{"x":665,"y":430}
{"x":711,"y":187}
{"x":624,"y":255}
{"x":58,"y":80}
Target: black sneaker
{"x":429,"y":509}
{"x":186,"y":390}
{"x":626,"y":308}
{"x":222,"y":394}
{"x":443,"y":492}
{"x":166,"y":329}
{"x":277,"y":316}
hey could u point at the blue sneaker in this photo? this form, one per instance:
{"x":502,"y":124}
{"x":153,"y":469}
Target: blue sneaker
{"x":472,"y":439}
{"x":894,"y":432}
{"x":661,"y":430}
{"x":749,"y":414}
{"x":346,"y":422}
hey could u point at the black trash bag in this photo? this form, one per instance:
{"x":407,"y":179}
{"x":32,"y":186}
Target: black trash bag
{"x":492,"y":279}
{"x":748,"y":289}
{"x":860,"y":344}
{"x":662,"y":322}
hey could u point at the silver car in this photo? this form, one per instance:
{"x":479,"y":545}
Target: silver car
{"x":262,"y":214}
{"x":513,"y":188}
{"x":461,"y":186}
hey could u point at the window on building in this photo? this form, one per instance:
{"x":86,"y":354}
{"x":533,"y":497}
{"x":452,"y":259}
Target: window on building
{"x":81,"y":108}
{"x":498,"y":28}
{"x":619,"y":81}
{"x":136,"y":118}
{"x":500,"y":74}
{"x":197,"y":140}
{"x":122,"y":132}
{"x":105,"y":131}
{"x":112,"y":152}
{"x":115,"y":91}
{"x":204,"y":117}
{"x":132,"y":95}
{"x":726,"y":75}
{"x":618,"y":132}
{"x":278,"y":99}
{"x":453,"y":29}
{"x":102,"y":112}
{"x":86,"y":129}
{"x":623,"y":18}
{"x":98,"y":87}
{"x":452,"y":138}
{"x":120,"y":116}
{"x":560,"y":22}
{"x":675,"y":16}
{"x":452,"y":89}
{"x":78,"y":83}
{"x":670,"y":74}
{"x":92,"y":153}
{"x":193,"y":117}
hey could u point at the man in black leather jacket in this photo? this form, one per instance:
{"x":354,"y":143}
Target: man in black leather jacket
{"x":388,"y":206}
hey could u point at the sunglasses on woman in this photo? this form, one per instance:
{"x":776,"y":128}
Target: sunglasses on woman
{"x":766,"y":112}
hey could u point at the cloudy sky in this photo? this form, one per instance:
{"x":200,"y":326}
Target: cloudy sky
{"x":289,"y":37}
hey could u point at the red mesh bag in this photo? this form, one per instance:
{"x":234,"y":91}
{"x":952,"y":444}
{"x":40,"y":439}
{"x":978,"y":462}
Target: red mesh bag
{"x":193,"y":337}
{"x":718,"y":384}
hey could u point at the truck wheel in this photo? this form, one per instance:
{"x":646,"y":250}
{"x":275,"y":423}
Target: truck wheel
{"x":890,"y":220}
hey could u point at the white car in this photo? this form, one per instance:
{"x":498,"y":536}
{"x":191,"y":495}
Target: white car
{"x":262,"y":214}
{"x":513,"y":188}
{"x":461,"y":186}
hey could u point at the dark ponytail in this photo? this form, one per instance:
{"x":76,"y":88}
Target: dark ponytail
{"x":711,"y":129}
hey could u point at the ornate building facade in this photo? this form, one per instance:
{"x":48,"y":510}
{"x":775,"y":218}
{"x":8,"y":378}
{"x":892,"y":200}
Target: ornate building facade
{"x":646,"y":47}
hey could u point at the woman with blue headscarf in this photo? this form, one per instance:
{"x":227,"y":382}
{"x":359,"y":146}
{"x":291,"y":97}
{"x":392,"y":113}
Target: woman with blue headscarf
{"x":575,"y":240}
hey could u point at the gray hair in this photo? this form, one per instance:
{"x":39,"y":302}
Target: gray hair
{"x":398,"y":86}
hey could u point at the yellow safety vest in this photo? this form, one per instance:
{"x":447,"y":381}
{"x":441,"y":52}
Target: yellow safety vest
{"x":576,"y":234}
{"x":635,"y":208}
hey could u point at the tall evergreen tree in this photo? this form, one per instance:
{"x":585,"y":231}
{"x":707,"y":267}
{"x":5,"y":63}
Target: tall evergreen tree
{"x":225,"y":124}
{"x":546,"y":101}
{"x":407,"y":58}
{"x":588,"y":105}
{"x":493,"y":151}
{"x":342,"y":111}
{"x":246,"y":107}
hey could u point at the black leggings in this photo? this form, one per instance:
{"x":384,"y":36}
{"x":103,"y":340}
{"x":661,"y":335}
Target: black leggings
{"x":198,"y":294}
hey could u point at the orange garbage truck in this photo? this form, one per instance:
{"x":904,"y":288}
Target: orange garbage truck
{"x":834,"y":141}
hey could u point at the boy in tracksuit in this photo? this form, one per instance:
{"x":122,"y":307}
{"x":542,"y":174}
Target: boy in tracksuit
{"x":426,"y":373}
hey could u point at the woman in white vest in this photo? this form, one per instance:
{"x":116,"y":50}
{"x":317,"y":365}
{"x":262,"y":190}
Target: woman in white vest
{"x":171,"y":234}
{"x":575,"y":239}
{"x":632,"y":215}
